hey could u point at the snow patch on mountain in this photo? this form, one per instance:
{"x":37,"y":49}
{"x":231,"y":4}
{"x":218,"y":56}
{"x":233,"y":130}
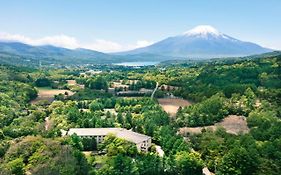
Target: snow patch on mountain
{"x":203,"y":30}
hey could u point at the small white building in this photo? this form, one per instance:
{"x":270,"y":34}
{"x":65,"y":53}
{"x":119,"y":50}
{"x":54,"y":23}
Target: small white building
{"x":143,"y":142}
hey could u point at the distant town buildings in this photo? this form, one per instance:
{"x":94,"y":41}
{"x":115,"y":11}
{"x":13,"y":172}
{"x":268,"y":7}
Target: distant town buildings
{"x":141,"y":92}
{"x":165,"y":87}
{"x":143,"y":142}
{"x":90,"y":72}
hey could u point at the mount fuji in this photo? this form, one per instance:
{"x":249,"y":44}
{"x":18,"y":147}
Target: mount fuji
{"x":201,"y":42}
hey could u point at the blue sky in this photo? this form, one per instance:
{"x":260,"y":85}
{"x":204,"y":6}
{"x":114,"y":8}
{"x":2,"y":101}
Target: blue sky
{"x":114,"y":25}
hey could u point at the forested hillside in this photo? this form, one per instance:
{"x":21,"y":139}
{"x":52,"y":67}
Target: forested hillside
{"x":37,"y":107}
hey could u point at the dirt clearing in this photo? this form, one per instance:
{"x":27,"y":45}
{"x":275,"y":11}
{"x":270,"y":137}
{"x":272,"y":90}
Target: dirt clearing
{"x":233,"y":124}
{"x":71,"y":82}
{"x":48,"y":94}
{"x":171,"y":105}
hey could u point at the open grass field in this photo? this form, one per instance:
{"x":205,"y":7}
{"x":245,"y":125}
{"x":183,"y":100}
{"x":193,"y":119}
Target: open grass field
{"x":47,"y":94}
{"x":171,"y":105}
{"x":233,"y":124}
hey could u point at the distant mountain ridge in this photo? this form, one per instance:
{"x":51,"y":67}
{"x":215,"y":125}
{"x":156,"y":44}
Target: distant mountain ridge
{"x":52,"y":54}
{"x":20,"y":53}
{"x":201,"y":42}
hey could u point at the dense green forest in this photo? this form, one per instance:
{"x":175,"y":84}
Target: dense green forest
{"x":32,"y":139}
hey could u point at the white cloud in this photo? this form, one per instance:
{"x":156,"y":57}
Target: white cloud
{"x":58,"y":40}
{"x":72,"y":43}
{"x":104,"y":46}
{"x":111,"y":46}
{"x":275,"y":45}
{"x":143,"y":43}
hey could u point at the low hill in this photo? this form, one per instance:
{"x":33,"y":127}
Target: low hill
{"x":16,"y":52}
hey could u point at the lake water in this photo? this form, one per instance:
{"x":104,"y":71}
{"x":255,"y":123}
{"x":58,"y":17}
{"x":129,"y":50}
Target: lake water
{"x":137,"y":63}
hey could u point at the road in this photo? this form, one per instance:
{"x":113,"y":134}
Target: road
{"x":152,"y":95}
{"x":47,"y":123}
{"x":159,"y":151}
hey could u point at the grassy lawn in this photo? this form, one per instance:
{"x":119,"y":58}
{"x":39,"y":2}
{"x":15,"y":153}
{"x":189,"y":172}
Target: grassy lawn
{"x":100,"y":159}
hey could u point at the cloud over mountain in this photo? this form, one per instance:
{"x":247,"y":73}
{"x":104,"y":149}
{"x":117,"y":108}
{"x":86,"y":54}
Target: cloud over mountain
{"x":57,"y":40}
{"x":70,"y":42}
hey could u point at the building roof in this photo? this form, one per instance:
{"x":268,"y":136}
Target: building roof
{"x":119,"y":132}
